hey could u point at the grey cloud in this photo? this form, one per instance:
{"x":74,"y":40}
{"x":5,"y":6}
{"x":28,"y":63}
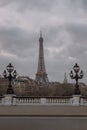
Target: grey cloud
{"x":79,"y":31}
{"x":66,"y":32}
{"x":29,"y":4}
{"x":75,"y":49}
{"x":79,"y":38}
{"x":23,"y":44}
{"x":47,"y":5}
{"x":17,"y":41}
{"x":84,"y":4}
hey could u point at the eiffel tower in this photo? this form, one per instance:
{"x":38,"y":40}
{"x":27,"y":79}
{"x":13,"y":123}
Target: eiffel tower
{"x":65,"y":79}
{"x":41,"y":75}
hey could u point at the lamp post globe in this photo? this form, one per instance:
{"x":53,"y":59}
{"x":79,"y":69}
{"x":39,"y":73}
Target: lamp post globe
{"x":10,"y":68}
{"x":76,"y":68}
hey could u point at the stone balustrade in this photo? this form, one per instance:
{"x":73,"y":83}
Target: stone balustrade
{"x":27,"y":100}
{"x":42,"y":100}
{"x":84,"y":100}
{"x":58,"y":100}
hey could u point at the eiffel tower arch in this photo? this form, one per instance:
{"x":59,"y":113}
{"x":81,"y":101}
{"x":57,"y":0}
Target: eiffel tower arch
{"x":41,"y":75}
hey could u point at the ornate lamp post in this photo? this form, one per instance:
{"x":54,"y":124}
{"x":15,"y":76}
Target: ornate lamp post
{"x":10,"y":75}
{"x":76,"y":76}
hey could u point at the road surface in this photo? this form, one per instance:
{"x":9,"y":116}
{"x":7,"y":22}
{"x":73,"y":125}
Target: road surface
{"x":43,"y":123}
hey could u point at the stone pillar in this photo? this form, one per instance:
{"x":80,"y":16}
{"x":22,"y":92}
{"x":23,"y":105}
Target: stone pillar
{"x":43,"y":101}
{"x":8,"y":99}
{"x":76,"y":100}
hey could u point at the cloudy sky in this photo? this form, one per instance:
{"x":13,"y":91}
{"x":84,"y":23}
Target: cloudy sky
{"x":64,"y":27}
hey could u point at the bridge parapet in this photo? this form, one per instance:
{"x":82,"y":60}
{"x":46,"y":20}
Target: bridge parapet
{"x":76,"y":100}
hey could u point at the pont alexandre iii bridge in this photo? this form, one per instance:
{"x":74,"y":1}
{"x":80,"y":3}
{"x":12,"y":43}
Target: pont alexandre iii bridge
{"x":60,"y":112}
{"x":12,"y":105}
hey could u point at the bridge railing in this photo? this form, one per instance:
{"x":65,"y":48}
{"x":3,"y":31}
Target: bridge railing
{"x":83,"y":100}
{"x":56,"y":100}
{"x":27,"y":100}
{"x":63,"y":100}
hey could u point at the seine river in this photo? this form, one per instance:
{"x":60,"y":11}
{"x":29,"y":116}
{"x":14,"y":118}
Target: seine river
{"x":43,"y":123}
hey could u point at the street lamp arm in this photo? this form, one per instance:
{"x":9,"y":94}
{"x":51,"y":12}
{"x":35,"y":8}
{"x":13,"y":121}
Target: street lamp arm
{"x":14,"y":74}
{"x":5,"y":74}
{"x":81,"y":74}
{"x":73,"y":77}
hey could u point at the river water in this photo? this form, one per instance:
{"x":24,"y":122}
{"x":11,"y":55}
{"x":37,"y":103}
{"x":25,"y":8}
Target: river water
{"x":43,"y":123}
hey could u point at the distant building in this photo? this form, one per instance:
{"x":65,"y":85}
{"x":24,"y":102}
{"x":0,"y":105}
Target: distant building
{"x":3,"y":85}
{"x":23,"y":85}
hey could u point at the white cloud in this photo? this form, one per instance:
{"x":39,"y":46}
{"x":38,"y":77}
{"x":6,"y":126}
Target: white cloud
{"x":7,"y":54}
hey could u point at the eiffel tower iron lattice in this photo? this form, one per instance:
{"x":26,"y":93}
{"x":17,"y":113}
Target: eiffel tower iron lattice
{"x":41,"y":75}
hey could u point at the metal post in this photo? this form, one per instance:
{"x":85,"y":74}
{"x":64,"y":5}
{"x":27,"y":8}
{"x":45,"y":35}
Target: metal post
{"x":10,"y":76}
{"x":76,"y":76}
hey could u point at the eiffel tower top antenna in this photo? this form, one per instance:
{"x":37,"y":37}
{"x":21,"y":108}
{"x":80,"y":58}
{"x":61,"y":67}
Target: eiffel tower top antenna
{"x":40,"y":33}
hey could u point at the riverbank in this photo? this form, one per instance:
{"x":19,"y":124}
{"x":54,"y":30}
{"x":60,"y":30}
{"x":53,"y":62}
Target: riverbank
{"x":36,"y":110}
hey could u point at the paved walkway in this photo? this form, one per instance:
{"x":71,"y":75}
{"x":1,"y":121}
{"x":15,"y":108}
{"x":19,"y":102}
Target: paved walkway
{"x":43,"y":110}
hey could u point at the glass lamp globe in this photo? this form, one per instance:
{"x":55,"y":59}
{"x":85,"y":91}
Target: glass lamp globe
{"x":10,"y":68}
{"x":76,"y":68}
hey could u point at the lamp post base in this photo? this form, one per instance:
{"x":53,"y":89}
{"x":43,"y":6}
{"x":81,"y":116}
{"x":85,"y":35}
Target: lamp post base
{"x":76,"y":100}
{"x":77,"y":91}
{"x":10,"y":90}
